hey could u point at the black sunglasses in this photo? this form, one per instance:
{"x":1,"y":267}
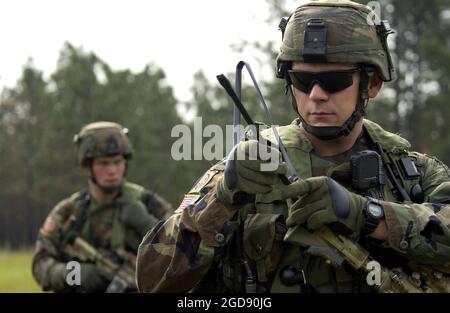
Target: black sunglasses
{"x":330,"y":81}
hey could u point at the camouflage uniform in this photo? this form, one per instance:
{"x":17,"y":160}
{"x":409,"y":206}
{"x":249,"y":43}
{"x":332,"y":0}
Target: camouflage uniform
{"x":114,"y":228}
{"x":200,"y":249}
{"x":194,"y":248}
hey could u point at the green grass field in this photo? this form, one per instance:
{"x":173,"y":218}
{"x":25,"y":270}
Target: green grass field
{"x":15,"y":272}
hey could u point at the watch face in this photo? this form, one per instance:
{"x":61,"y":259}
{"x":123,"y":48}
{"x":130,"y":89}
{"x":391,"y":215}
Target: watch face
{"x":375,"y":210}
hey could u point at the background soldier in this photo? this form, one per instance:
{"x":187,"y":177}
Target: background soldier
{"x":363,"y":182}
{"x":101,"y":226}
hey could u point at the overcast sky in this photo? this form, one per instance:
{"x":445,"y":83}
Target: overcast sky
{"x":179,"y":36}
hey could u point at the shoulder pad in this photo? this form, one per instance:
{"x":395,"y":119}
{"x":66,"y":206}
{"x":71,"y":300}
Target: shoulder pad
{"x":387,"y":140}
{"x":59,"y":215}
{"x":132,"y":191}
{"x":200,"y":189}
{"x":204,"y":180}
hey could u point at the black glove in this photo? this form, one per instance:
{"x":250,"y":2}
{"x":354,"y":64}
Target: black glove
{"x":93,"y":279}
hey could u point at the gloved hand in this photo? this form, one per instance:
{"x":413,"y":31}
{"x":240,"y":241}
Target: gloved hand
{"x":93,"y":279}
{"x":322,"y":201}
{"x":251,"y":168}
{"x":57,"y":277}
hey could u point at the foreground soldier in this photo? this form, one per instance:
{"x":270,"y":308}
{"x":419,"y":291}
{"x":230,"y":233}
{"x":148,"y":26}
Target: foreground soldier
{"x":107,"y":220}
{"x":358,"y":179}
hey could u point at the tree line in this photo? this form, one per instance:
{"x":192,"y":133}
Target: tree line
{"x":39,"y":116}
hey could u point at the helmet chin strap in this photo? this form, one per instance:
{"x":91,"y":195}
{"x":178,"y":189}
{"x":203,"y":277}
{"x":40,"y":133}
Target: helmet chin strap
{"x":334,"y":132}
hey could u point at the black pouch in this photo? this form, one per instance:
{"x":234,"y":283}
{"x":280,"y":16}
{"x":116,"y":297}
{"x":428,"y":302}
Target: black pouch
{"x":366,"y":170}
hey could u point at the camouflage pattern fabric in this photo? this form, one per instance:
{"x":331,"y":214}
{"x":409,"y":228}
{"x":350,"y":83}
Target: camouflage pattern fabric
{"x":195,"y":249}
{"x":349,"y":36}
{"x":109,"y":228}
{"x":102,"y":139}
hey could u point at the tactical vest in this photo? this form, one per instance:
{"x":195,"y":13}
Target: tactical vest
{"x":257,"y":253}
{"x":80,"y":222}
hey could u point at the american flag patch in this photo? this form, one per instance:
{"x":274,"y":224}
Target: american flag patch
{"x":49,"y":226}
{"x":187,"y":201}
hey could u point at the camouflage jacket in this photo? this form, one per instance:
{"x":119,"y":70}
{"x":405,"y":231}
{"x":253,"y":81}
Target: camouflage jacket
{"x":119,"y":225}
{"x":197,"y":247}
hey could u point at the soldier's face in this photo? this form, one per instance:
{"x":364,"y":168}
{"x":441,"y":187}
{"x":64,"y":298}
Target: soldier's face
{"x":322,"y":108}
{"x":109,"y":171}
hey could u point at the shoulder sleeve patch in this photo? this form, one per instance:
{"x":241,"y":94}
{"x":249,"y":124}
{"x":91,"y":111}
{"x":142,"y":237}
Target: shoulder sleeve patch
{"x":49,"y":226}
{"x":199,"y":190}
{"x":203,"y":181}
{"x":188,"y":200}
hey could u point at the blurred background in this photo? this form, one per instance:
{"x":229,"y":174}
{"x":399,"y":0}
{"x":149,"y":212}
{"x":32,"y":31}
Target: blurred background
{"x":151,"y":65}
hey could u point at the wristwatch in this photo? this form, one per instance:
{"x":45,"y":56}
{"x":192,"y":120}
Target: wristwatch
{"x":373,"y":213}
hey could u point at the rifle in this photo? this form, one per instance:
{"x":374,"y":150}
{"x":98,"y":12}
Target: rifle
{"x":336,"y":248}
{"x":122,"y":266}
{"x":358,"y":257}
{"x":424,"y":279}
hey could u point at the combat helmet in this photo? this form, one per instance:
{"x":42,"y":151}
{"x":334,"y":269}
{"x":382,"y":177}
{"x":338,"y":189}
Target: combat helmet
{"x":102,"y":139}
{"x":336,"y":31}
